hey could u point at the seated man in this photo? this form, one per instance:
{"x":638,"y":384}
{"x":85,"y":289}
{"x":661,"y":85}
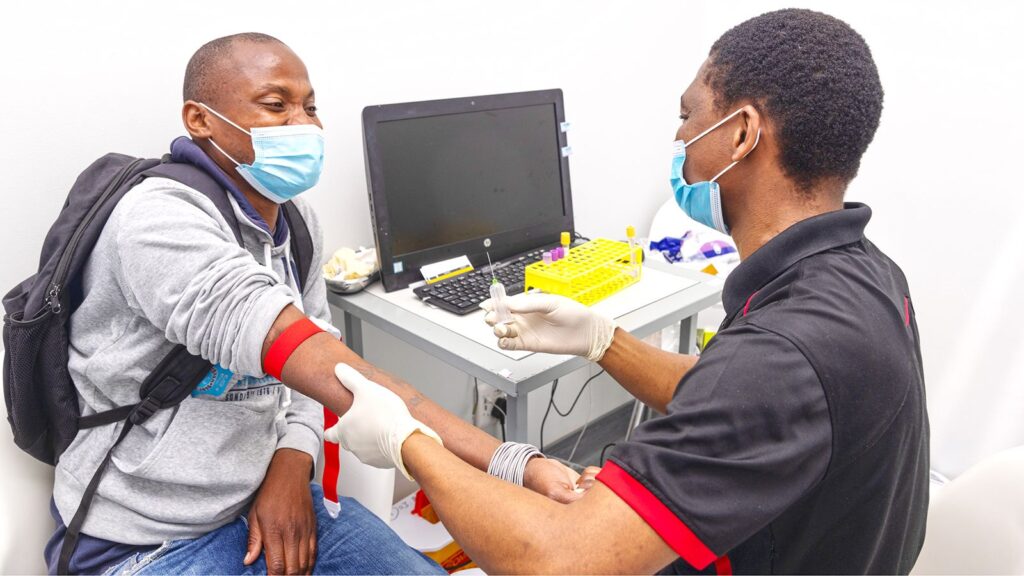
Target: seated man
{"x":221,"y":483}
{"x":798,"y":442}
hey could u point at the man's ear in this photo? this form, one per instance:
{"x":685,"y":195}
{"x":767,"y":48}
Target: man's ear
{"x":196,"y":120}
{"x":747,"y":133}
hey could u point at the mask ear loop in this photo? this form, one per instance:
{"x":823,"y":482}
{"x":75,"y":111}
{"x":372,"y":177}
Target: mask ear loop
{"x":729,"y":167}
{"x":709,"y":130}
{"x":222,"y":117}
{"x":221,"y":150}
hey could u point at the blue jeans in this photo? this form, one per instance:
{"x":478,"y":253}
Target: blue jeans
{"x":356,"y":542}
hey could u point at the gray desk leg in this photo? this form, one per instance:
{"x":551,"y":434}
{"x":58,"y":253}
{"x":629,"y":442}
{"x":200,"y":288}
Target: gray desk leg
{"x":354,"y":333}
{"x":688,"y":334}
{"x":687,"y":340}
{"x":516,"y":429}
{"x":640,"y":413}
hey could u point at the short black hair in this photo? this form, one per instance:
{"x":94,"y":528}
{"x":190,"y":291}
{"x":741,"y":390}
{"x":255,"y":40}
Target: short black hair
{"x":200,"y":84}
{"x":814,"y":77}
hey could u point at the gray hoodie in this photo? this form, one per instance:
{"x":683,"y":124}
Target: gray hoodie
{"x":167,"y":269}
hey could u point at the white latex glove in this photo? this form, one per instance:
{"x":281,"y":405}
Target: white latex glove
{"x":553,"y":324}
{"x":376,"y":425}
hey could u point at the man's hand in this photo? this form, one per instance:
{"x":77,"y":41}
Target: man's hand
{"x":376,"y":425}
{"x":551,"y":478}
{"x":281,"y":520}
{"x":553,"y":324}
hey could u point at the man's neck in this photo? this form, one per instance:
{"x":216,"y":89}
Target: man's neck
{"x":770,"y":214}
{"x":267,"y":209}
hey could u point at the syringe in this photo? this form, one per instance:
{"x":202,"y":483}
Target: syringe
{"x":498,"y":296}
{"x":631,"y":237}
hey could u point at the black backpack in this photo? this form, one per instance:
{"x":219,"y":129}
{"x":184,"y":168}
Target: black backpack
{"x":42,"y":402}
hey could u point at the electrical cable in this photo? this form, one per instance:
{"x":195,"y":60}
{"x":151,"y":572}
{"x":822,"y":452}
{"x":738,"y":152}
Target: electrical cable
{"x":578,"y":396}
{"x":586,"y":422}
{"x":544,"y":420}
{"x":551,"y":404}
{"x":606,"y":447}
{"x":476,"y":402}
{"x":504,"y":417}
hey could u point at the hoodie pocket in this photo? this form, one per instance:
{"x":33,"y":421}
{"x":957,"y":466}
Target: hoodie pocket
{"x":212,"y":443}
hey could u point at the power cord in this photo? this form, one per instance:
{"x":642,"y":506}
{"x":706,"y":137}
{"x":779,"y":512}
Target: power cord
{"x":544,"y":420}
{"x":551,"y":404}
{"x":499,"y":407}
{"x":575,"y":400}
{"x":498,"y":410}
{"x":586,"y":424}
{"x":606,"y":447}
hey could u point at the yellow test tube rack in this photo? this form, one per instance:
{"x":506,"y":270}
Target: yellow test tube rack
{"x":592,"y":271}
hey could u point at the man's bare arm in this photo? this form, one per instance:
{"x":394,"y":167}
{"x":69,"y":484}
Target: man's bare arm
{"x":310,"y":370}
{"x":648,"y":373}
{"x":508,"y":530}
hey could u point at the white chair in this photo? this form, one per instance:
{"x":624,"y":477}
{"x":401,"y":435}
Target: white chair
{"x":25,"y":523}
{"x":976,"y":522}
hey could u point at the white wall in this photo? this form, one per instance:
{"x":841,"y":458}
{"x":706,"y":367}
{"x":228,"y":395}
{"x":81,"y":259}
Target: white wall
{"x":84,"y":78}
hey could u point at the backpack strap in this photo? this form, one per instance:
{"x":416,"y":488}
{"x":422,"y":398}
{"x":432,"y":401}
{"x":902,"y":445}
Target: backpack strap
{"x":167,"y":385}
{"x":197,"y":179}
{"x":301,"y":240}
{"x":201,"y":182}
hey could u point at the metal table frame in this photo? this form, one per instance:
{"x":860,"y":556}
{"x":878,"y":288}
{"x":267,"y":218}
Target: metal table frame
{"x":535,"y":370}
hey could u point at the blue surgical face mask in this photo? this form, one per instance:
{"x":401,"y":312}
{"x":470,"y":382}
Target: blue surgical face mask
{"x":701,"y":201}
{"x":288,"y":159}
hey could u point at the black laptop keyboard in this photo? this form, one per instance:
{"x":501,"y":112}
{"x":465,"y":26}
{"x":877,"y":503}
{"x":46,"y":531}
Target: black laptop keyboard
{"x":464,"y":293}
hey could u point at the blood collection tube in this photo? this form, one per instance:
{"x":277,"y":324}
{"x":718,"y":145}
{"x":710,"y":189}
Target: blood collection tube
{"x":500,"y":306}
{"x":631,"y":237}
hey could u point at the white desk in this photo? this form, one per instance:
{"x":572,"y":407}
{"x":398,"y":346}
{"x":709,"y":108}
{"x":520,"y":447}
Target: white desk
{"x":664,"y":296}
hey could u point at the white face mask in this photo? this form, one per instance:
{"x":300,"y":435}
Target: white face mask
{"x":288,"y":159}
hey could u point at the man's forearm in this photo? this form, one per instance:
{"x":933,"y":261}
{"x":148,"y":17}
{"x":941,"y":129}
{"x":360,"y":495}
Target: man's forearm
{"x":648,"y":373}
{"x":508,"y":530}
{"x":310,"y":370}
{"x":503,"y":528}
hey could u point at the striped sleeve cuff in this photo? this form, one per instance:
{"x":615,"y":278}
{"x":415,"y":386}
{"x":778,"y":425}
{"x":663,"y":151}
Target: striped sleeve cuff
{"x":672,"y":530}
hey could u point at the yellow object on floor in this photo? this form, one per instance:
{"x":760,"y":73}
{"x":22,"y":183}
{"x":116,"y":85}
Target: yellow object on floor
{"x":414,"y":520}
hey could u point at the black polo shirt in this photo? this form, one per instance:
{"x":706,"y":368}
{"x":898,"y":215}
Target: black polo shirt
{"x":799,"y":441}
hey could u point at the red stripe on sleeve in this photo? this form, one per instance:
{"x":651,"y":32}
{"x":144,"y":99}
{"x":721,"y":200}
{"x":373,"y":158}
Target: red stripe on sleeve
{"x":723,"y":566}
{"x":671,"y":529}
{"x":906,"y":311}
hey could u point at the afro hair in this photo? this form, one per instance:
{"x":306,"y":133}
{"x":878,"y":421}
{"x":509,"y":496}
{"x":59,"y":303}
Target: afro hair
{"x":814,"y":78}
